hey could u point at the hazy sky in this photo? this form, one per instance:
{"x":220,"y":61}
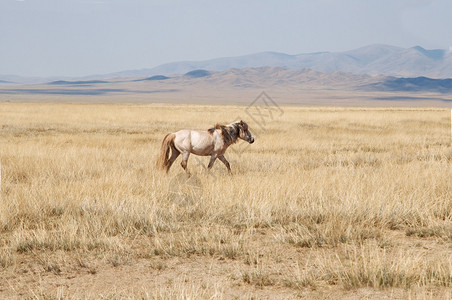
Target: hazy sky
{"x":84,"y":37}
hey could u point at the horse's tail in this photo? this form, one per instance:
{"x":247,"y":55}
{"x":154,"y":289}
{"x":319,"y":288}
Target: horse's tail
{"x":163,"y":161}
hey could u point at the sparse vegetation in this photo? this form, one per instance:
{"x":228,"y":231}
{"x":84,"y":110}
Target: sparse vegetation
{"x":343,"y":198}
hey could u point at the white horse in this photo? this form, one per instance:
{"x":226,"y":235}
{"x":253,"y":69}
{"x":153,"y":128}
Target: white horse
{"x":212,"y":142}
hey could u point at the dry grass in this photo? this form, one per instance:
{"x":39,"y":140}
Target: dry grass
{"x":355,"y":202}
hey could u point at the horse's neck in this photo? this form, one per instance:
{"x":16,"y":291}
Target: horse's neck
{"x":234,"y":138}
{"x":233,"y":134}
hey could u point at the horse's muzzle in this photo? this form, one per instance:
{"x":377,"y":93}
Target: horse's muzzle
{"x":251,"y":140}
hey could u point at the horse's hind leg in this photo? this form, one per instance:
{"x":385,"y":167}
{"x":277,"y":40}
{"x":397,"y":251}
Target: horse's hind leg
{"x":185,"y":156}
{"x":174,"y":154}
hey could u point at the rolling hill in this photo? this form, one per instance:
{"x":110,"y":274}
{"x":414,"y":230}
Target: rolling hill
{"x":263,"y":78}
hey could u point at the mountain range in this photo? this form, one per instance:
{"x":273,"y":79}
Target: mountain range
{"x":371,"y":60}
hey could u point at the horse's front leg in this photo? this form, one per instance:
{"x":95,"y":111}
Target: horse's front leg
{"x":226,"y":163}
{"x":212,"y":160}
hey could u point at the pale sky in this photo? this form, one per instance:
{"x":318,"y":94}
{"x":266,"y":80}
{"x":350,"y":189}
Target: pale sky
{"x":85,"y":37}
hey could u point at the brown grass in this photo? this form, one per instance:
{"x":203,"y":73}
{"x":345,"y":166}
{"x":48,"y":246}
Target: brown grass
{"x":327,"y":201}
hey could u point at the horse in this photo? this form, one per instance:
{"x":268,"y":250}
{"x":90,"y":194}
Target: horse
{"x":212,"y":142}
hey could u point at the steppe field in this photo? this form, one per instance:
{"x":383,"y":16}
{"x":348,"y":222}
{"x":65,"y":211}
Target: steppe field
{"x":328,"y":203}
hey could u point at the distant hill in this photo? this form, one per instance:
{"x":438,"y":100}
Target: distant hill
{"x":413,"y":85}
{"x":64,"y":82}
{"x":155,"y":77}
{"x":197,"y":73}
{"x":15,"y":79}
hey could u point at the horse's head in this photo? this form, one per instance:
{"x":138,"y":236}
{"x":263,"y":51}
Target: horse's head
{"x":244,"y":133}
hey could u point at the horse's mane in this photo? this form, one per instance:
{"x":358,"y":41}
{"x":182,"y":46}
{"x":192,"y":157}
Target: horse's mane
{"x":227,"y":131}
{"x":212,"y":130}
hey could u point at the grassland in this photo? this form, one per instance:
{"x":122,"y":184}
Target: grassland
{"x":327,"y":203}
